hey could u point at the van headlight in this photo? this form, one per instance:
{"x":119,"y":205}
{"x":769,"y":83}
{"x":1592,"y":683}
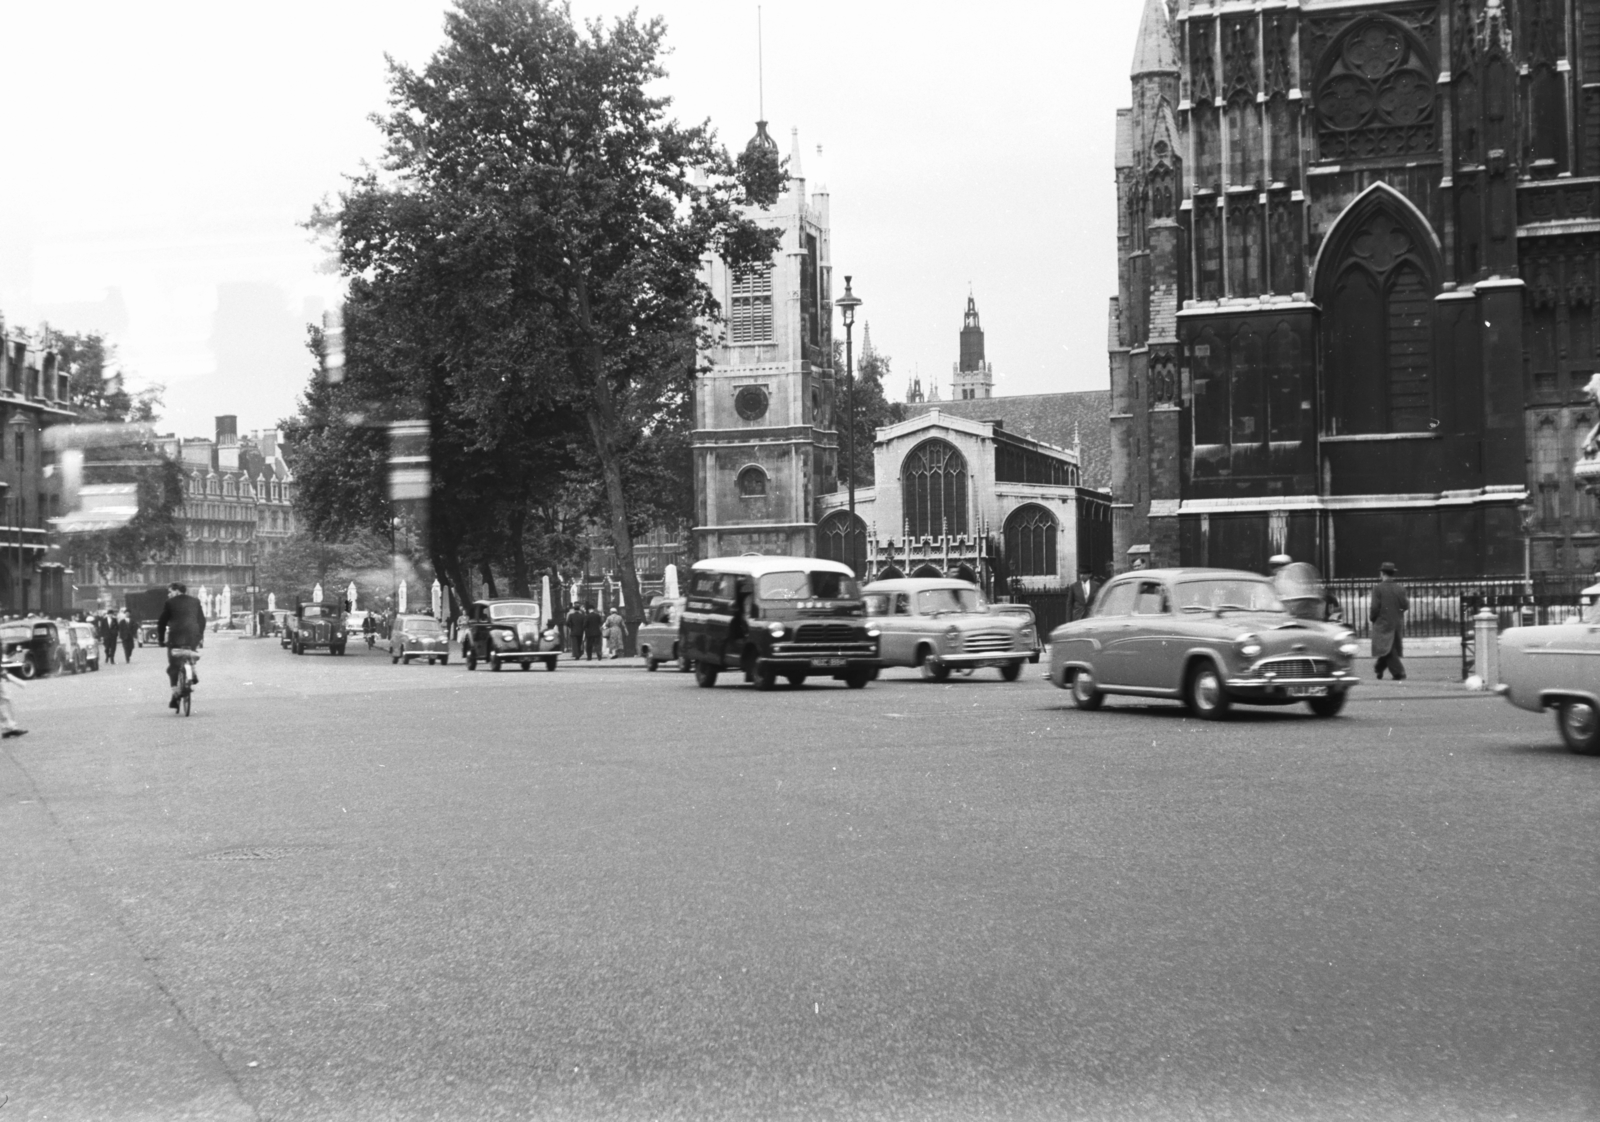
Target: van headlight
{"x":1249,"y":645}
{"x":776,"y":630}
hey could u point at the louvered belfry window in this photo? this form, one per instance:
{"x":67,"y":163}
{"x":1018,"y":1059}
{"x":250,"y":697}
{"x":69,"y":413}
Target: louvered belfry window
{"x":750,"y":320}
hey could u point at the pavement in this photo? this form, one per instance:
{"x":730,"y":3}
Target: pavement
{"x":344,"y":889}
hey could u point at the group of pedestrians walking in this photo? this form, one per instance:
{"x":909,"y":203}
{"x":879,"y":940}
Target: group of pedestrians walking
{"x":592,"y":635}
{"x":114,"y":630}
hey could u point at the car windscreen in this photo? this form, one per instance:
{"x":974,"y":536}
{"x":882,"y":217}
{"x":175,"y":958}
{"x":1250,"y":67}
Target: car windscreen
{"x":1223,"y":593}
{"x":937,"y":601}
{"x":421,"y":626}
{"x":800,"y":585}
{"x":314,"y":611}
{"x":520,"y":609}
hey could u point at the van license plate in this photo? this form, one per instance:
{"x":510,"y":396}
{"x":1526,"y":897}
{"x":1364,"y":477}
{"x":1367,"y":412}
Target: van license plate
{"x":821,"y":663}
{"x":1308,"y":691}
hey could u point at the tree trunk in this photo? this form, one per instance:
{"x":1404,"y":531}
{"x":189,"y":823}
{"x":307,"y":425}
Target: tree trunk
{"x":516,"y":523}
{"x":487,"y":574}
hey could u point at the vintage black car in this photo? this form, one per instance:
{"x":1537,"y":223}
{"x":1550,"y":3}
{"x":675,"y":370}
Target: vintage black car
{"x":315,"y":626}
{"x":33,"y":645}
{"x":508,"y":630}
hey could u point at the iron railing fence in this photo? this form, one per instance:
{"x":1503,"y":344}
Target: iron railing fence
{"x":1437,"y":603}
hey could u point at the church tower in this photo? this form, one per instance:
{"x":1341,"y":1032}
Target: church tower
{"x":765,"y":448}
{"x":972,"y":377}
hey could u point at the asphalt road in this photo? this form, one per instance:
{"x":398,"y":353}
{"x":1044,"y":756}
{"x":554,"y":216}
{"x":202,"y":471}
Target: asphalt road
{"x":348,"y":890}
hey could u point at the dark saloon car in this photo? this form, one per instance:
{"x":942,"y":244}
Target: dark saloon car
{"x":509,"y":630}
{"x":33,"y":645}
{"x":318,"y":625}
{"x":1208,"y":637}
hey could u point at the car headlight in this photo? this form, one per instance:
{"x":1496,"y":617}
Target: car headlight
{"x":776,"y":630}
{"x":873,"y":633}
{"x":1249,"y":645}
{"x":1348,"y":645}
{"x":500,"y":638}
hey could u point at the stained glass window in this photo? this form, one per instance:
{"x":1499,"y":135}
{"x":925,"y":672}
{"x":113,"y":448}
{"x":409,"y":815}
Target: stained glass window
{"x":933,"y":482}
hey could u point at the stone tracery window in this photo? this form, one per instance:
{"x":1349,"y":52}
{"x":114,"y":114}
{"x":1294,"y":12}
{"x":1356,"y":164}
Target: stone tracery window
{"x":1375,"y":94}
{"x":933,"y":485}
{"x":1031,"y":533}
{"x":842,"y":537}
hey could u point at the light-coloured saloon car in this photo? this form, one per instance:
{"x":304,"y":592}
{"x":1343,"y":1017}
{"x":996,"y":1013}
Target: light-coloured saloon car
{"x":1208,"y":637}
{"x":1557,"y":666}
{"x":418,"y":636}
{"x":944,"y":625}
{"x":657,"y":641}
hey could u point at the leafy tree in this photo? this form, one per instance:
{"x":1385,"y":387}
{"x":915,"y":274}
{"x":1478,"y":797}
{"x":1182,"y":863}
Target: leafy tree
{"x":97,"y":390}
{"x":545,"y":221}
{"x":873,"y":409}
{"x":291,"y":568}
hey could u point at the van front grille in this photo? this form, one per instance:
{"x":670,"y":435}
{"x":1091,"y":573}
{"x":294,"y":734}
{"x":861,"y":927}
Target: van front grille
{"x":826,"y":633}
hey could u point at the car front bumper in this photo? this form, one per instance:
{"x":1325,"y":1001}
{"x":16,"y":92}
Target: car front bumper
{"x":1270,"y":688}
{"x":982,"y":658}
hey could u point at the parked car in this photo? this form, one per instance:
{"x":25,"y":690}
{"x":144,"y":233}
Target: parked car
{"x":1025,"y":612}
{"x":777,"y":616}
{"x":34,"y":645}
{"x":88,"y":646}
{"x":318,"y":625}
{"x":658,"y":634}
{"x":508,"y":630}
{"x":418,"y":636}
{"x":1557,"y":666}
{"x":1209,"y":637}
{"x":941,"y":625}
{"x":147,"y":632}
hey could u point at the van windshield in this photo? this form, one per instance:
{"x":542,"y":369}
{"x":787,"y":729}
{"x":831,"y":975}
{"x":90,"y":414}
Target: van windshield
{"x":800,"y":585}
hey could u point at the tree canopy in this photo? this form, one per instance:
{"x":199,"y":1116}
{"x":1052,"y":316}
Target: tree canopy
{"x":526,"y":266}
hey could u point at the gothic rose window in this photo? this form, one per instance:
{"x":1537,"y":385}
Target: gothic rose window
{"x":933,"y":480}
{"x":1375,"y":94}
{"x":1031,"y":533}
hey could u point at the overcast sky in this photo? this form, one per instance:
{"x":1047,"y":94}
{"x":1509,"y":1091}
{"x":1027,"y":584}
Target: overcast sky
{"x":162,"y":155}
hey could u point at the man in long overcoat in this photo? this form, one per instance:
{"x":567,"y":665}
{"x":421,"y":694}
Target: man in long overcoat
{"x":106,"y":628}
{"x":575,"y":631}
{"x":1081,"y":593}
{"x":593,"y":629}
{"x":127,"y":631}
{"x":1389,"y":605}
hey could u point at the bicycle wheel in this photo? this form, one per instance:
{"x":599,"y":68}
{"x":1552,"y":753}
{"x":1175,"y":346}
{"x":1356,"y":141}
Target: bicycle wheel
{"x":187,"y":694}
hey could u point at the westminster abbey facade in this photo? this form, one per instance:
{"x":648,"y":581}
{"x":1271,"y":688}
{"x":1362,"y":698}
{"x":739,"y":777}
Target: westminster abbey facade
{"x":1357,"y":285}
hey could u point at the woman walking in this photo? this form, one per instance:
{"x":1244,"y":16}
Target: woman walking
{"x":614,"y":633}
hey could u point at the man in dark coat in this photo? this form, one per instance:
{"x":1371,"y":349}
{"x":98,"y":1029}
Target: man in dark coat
{"x":106,"y":629}
{"x":181,"y":626}
{"x":593,"y":628}
{"x":1389,"y":605}
{"x":1081,"y":593}
{"x":127,"y":631}
{"x":575,"y":631}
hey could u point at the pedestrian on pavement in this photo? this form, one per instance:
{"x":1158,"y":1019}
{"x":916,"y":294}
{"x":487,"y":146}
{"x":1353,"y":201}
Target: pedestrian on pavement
{"x":575,"y":631}
{"x":127,"y":630}
{"x":106,"y":629}
{"x":1081,"y":594}
{"x":180,"y":627}
{"x":1389,"y":605}
{"x":593,"y":628}
{"x":614,"y":633}
{"x":8,"y":711}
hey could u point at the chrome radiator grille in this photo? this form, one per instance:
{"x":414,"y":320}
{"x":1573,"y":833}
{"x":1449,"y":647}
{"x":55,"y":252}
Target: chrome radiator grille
{"x":980,"y":641}
{"x":1296,"y":668}
{"x":826,"y":633}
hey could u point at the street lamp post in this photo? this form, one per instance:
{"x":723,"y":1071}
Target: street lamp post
{"x":19,"y":596}
{"x":1527,"y":510}
{"x":847,"y":304}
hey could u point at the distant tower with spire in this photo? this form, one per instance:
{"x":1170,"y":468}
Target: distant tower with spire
{"x":972,"y":377}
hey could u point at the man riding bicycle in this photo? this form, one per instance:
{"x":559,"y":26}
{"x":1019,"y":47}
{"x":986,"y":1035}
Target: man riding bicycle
{"x":181,"y":629}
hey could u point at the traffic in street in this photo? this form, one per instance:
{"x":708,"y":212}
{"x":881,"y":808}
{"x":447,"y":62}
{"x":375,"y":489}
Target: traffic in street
{"x":351,"y":888}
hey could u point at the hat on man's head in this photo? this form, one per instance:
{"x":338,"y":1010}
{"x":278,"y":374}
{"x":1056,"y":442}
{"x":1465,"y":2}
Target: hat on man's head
{"x":1278,"y":559}
{"x":1387,"y":567}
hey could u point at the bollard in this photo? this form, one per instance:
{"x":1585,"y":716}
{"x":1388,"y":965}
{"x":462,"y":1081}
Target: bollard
{"x":1487,"y":627}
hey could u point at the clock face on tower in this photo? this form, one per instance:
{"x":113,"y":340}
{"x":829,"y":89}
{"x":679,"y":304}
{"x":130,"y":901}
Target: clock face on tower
{"x":751,"y":402}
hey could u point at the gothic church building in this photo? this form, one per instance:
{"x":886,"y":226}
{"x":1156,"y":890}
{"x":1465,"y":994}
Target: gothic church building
{"x":1357,"y":270}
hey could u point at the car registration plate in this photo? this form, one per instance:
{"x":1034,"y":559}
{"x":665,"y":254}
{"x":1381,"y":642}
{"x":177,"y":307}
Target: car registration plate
{"x":1308,"y":691}
{"x":820,"y":663}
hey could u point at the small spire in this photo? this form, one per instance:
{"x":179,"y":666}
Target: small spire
{"x":794,"y":155}
{"x":1156,"y":53}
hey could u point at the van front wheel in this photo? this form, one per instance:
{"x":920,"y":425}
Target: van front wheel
{"x":705,"y":676}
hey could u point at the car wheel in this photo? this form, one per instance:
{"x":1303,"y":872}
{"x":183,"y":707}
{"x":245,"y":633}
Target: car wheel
{"x":650,"y":664}
{"x":1011,"y":671}
{"x":705,"y":676}
{"x":549,"y":664}
{"x":857,"y":678}
{"x":472,"y":660}
{"x":1329,"y":706}
{"x":766,"y":676}
{"x":444,"y":660}
{"x":934,"y":671}
{"x":526,"y":665}
{"x":1085,"y":695}
{"x":494,"y":663}
{"x":1580,"y":727}
{"x":30,"y":668}
{"x":684,"y":665}
{"x":394,"y":658}
{"x":1207,"y":697}
{"x":796,"y":680}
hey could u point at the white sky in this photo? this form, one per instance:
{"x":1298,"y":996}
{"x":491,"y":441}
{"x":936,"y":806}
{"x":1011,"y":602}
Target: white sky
{"x":162,"y":154}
